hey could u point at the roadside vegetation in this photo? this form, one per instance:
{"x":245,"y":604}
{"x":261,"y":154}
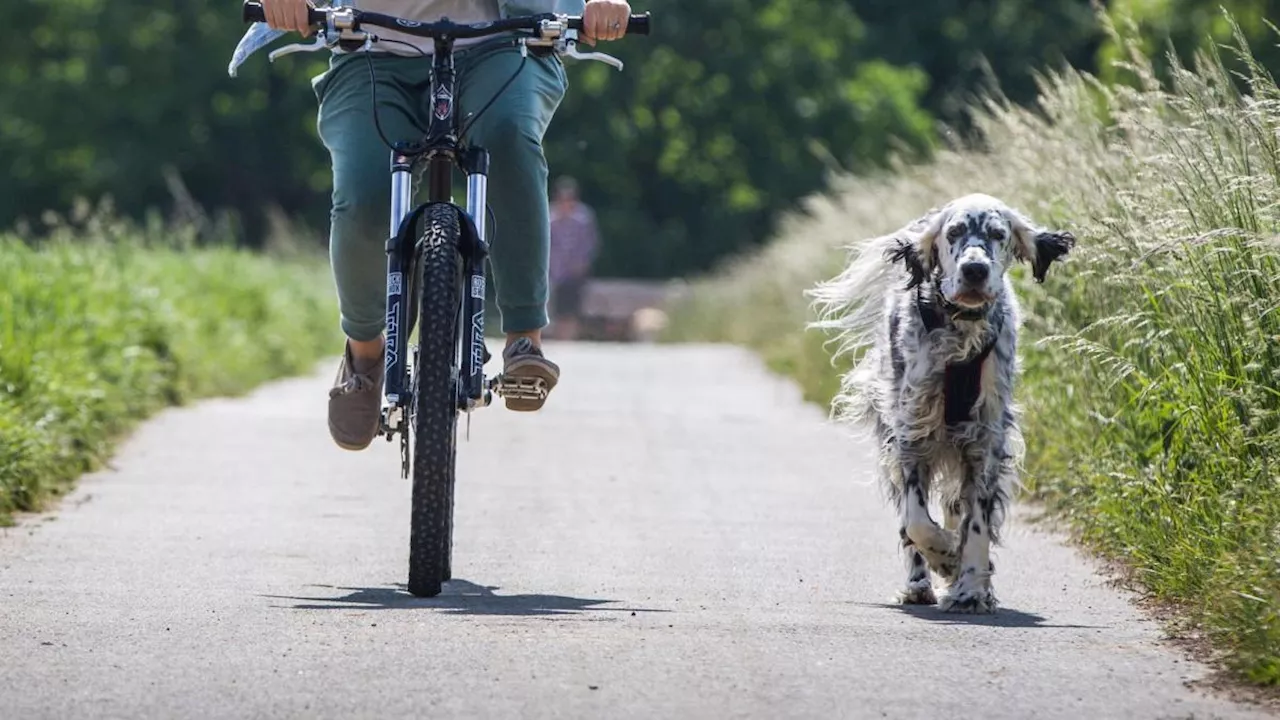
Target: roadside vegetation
{"x":104,"y":322}
{"x":1152,"y":357}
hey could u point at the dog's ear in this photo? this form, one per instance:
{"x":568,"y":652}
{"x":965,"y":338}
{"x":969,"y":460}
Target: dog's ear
{"x":1050,"y":246}
{"x":904,"y":252}
{"x":1037,"y":245}
{"x":915,"y":245}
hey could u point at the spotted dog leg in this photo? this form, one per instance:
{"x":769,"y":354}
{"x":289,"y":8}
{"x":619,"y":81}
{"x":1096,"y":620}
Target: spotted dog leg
{"x":952,"y":516}
{"x":919,"y":589}
{"x":971,"y":592}
{"x":926,"y":544}
{"x":952,"y":513}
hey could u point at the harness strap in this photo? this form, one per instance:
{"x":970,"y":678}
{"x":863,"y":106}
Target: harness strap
{"x":962,"y":385}
{"x":963,"y":380}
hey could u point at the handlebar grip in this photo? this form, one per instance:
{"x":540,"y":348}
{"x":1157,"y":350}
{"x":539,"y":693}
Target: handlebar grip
{"x":636,"y":24}
{"x":252,"y":12}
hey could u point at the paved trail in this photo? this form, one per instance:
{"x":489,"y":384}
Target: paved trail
{"x":675,"y":536}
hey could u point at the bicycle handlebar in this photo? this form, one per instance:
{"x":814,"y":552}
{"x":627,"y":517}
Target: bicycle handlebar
{"x":252,"y":12}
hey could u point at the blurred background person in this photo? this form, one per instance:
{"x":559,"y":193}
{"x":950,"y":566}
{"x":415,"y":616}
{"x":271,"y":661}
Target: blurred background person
{"x":575,"y":241}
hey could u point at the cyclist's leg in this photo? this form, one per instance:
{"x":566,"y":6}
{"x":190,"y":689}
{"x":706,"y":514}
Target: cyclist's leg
{"x":511,"y":129}
{"x":359,"y":222}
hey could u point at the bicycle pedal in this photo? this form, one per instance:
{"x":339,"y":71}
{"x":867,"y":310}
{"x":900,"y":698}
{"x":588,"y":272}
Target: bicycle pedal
{"x":524,"y":388}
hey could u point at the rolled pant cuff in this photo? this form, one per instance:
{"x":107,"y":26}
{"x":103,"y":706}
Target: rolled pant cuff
{"x":524,"y":318}
{"x":362,"y":332}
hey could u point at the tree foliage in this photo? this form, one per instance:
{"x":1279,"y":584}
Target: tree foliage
{"x":723,"y":118}
{"x":114,"y":96}
{"x":962,"y":43}
{"x":1187,"y":26}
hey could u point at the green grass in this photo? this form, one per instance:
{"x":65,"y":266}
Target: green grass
{"x":1152,"y":357}
{"x":104,"y":324}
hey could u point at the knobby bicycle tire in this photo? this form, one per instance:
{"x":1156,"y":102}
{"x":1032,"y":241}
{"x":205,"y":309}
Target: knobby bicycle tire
{"x":436,"y":417}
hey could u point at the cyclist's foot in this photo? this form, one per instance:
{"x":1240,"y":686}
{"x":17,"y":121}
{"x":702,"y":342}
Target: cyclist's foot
{"x":355,"y":402}
{"x":530,"y":372}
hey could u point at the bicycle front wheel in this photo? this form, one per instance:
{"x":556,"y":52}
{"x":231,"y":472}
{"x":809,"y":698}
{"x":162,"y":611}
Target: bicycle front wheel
{"x":435,"y":421}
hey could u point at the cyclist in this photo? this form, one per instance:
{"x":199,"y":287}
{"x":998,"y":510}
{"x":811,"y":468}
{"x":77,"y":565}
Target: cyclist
{"x":511,"y":129}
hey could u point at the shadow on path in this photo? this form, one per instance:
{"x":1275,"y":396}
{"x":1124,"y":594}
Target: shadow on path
{"x":1004,"y":617}
{"x":459,"y":597}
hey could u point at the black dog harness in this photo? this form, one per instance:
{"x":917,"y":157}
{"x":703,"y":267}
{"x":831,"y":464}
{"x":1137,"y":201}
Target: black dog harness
{"x":963,"y":379}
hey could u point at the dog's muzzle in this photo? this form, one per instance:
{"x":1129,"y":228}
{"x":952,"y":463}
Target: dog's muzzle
{"x":970,"y":287}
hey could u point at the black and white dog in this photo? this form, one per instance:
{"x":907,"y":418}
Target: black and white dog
{"x":936,"y":313}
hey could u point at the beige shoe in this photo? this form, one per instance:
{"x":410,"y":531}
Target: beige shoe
{"x":355,"y":402}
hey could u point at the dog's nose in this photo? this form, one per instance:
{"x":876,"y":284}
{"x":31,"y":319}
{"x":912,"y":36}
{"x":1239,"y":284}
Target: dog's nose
{"x":975,"y":272}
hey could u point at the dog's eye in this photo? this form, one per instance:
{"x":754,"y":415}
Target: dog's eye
{"x":955,"y":232}
{"x":996,"y":234}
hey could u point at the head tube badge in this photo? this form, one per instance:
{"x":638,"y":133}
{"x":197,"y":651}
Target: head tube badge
{"x":442,"y":104}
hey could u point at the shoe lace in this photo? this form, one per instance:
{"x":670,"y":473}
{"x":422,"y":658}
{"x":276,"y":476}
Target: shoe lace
{"x":356,"y":382}
{"x":523,"y":346}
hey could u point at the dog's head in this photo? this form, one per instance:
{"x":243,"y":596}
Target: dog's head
{"x":967,"y":246}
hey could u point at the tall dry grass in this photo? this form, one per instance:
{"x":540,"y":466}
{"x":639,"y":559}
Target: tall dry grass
{"x":1153,"y":384}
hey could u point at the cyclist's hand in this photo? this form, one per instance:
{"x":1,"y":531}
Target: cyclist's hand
{"x":288,"y":15}
{"x":604,"y":20}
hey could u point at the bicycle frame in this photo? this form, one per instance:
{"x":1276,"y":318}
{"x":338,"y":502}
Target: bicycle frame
{"x":434,"y":462}
{"x":441,"y":151}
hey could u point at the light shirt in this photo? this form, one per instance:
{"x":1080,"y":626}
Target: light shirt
{"x":459,"y":11}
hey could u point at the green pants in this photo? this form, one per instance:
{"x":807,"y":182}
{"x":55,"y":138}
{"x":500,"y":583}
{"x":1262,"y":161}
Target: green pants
{"x":511,"y":130}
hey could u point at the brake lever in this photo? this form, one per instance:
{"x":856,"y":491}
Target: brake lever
{"x":570,"y":41}
{"x":320,"y":43}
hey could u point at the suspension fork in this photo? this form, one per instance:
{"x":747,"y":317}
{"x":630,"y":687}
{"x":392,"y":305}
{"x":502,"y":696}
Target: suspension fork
{"x":399,"y":265}
{"x":475,"y":164}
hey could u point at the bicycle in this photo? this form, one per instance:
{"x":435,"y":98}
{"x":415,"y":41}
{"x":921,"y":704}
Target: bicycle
{"x":438,"y":273}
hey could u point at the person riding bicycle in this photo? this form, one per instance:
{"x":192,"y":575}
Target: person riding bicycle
{"x":511,"y":129}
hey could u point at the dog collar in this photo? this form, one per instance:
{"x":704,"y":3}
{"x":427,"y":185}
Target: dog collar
{"x":936,"y":312}
{"x":956,"y":312}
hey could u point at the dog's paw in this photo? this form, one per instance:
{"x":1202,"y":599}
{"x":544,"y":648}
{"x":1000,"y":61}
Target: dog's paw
{"x":973,"y":604}
{"x":973,"y":598}
{"x":917,"y":594}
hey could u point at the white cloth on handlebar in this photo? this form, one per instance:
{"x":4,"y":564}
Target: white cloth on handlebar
{"x":258,"y":36}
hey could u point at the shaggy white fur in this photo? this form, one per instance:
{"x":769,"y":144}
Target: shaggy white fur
{"x":934,"y":317}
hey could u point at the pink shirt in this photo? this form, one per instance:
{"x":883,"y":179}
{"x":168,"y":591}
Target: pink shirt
{"x":574,"y":241}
